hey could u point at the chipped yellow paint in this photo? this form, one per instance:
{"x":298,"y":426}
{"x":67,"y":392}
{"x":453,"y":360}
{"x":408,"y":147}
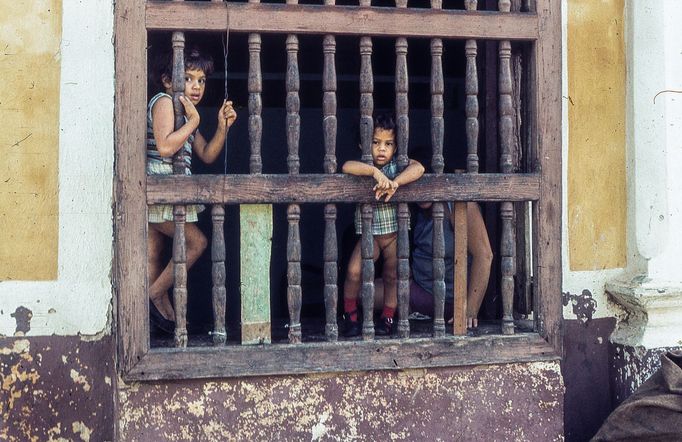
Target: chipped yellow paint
{"x":596,"y":151}
{"x":82,"y":430}
{"x":30,"y":33}
{"x":80,"y":379}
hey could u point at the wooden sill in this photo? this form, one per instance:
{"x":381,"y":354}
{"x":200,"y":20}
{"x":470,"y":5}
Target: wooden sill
{"x":389,"y":354}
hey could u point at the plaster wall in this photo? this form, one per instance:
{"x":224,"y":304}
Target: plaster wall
{"x":79,"y":44}
{"x":29,"y":103}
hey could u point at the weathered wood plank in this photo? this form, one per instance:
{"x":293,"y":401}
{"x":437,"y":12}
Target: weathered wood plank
{"x":330,"y":248}
{"x":471,"y":90}
{"x":506,"y":128}
{"x":438,"y":263}
{"x":218,"y":290}
{"x":343,"y":356}
{"x":130,"y":211}
{"x":461,"y":268}
{"x":255,"y":250}
{"x":328,"y":188}
{"x":547,"y":213}
{"x":341,"y":20}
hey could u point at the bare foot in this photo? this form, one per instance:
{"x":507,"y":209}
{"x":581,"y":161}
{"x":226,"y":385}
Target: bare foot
{"x":164,"y":306}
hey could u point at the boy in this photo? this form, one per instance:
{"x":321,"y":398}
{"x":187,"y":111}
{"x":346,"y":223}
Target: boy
{"x":384,"y":225}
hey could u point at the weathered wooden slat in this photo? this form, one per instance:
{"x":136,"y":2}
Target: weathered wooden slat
{"x":367,"y":253}
{"x":331,"y":289}
{"x":330,"y":252}
{"x":392,"y":354}
{"x":506,"y":128}
{"x":328,"y":188}
{"x":341,"y":20}
{"x":179,"y":211}
{"x":130,"y":220}
{"x":294,"y":293}
{"x":403,"y":126}
{"x":180,"y":277}
{"x":546,"y":126}
{"x":461,"y":268}
{"x":437,"y":106}
{"x":438,"y":263}
{"x":255,"y":228}
{"x":366,"y":135}
{"x":219,"y":293}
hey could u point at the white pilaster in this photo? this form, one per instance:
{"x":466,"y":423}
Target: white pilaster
{"x":651,"y":294}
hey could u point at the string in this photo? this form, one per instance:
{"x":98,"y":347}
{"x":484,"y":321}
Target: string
{"x":225,"y":39}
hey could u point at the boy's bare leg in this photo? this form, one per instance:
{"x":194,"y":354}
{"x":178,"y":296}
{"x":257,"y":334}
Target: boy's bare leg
{"x":478,"y":245}
{"x":353,"y":282}
{"x":196,"y":244}
{"x":389,"y":251}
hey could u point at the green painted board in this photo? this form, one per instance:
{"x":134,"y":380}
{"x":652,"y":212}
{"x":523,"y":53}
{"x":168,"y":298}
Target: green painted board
{"x":255,"y":221}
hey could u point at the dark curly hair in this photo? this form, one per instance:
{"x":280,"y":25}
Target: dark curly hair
{"x":162,"y":65}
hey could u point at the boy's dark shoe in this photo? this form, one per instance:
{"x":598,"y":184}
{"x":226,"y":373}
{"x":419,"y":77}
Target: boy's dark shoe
{"x":384,"y":327}
{"x":351,"y":328}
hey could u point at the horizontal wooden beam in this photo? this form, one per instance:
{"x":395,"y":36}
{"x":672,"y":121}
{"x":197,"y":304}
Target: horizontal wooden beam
{"x":323,"y":188}
{"x":341,"y":20}
{"x":393,"y":354}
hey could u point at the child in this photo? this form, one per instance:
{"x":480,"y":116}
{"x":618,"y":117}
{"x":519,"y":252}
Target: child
{"x":163,"y":141}
{"x":384,"y":225}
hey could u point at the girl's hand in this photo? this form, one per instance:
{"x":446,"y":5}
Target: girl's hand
{"x":190,"y":111}
{"x":226,"y":115}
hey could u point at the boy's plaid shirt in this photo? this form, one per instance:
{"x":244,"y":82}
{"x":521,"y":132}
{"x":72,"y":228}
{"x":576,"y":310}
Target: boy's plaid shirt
{"x":385,"y":218}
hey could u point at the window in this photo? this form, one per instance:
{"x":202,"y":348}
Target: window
{"x":496,"y":34}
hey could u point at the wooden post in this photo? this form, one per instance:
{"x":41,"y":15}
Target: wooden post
{"x":219,"y":293}
{"x":366,"y":134}
{"x":293,"y":130}
{"x":403,"y":126}
{"x":506,"y":128}
{"x":255,"y":221}
{"x":461,"y":268}
{"x":180,"y":161}
{"x":437,"y":164}
{"x":330,"y":252}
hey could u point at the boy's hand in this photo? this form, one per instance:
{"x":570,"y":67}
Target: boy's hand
{"x":383,"y":182}
{"x":379,"y":193}
{"x":190,"y":111}
{"x":226,"y":115}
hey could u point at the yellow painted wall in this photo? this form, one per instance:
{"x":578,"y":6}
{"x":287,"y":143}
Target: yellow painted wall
{"x":596,"y":152}
{"x":30,"y":34}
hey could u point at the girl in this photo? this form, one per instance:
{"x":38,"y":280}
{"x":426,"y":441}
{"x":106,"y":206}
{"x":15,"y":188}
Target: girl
{"x":163,"y":141}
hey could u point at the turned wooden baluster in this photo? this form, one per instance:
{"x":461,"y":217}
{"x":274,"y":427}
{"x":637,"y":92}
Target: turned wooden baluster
{"x":180,"y":164}
{"x":218,"y":274}
{"x":293,"y":130}
{"x":506,"y":111}
{"x":471,"y":91}
{"x":255,"y":87}
{"x":366,"y":134}
{"x":330,"y":252}
{"x":437,"y":164}
{"x":402,"y":123}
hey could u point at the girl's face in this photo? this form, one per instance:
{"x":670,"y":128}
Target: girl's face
{"x":383,"y":146}
{"x":195,"y":85}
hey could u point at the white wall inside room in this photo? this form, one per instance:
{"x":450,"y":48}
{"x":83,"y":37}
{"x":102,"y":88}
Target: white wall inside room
{"x":79,"y":301}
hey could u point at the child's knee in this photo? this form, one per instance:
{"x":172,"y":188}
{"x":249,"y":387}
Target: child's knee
{"x":197,"y":242}
{"x":354,"y":272}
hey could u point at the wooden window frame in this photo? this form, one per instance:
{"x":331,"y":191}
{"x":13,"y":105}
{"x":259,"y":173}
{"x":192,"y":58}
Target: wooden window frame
{"x":133,"y":190}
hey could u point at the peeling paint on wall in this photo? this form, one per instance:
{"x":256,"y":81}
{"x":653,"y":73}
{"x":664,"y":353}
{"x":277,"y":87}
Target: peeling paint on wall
{"x":23,"y":317}
{"x":55,"y":388}
{"x":584,"y":305}
{"x":506,"y":402}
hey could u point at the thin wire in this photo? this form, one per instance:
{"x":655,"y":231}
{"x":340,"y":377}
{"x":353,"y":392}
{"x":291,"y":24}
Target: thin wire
{"x":226,"y":41}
